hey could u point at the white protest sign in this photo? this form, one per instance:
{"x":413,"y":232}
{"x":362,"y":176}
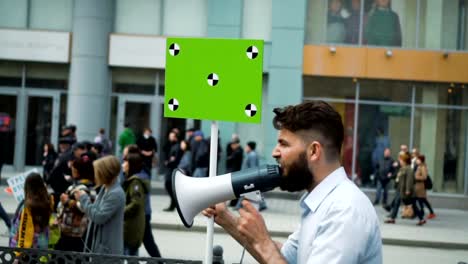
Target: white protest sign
{"x":16,"y":184}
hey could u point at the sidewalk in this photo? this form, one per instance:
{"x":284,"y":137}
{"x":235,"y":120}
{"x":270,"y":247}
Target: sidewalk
{"x":448,"y":231}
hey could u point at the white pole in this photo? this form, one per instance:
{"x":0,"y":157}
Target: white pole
{"x":212,"y":173}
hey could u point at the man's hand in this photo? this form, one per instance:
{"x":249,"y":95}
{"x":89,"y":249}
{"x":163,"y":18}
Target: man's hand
{"x":221,"y":214}
{"x":252,"y":228}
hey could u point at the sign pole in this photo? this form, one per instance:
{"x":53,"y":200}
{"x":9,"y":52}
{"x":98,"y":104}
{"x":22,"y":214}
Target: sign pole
{"x":212,"y":173}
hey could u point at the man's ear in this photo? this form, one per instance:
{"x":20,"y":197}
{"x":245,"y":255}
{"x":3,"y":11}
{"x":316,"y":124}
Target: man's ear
{"x":314,"y":151}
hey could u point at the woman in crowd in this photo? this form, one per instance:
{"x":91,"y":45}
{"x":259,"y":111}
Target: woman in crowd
{"x":107,"y":212}
{"x":383,"y":25}
{"x":420,"y":186}
{"x":49,"y":160}
{"x":71,"y":218}
{"x":30,"y":227}
{"x":136,"y":192}
{"x":185,"y":163}
{"x":406,"y":188}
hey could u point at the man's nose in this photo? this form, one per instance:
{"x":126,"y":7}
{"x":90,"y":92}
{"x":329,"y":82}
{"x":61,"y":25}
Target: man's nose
{"x":275,"y":153}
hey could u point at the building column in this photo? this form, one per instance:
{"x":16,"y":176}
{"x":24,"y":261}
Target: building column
{"x":285,"y":75}
{"x":224,"y":21}
{"x":89,"y":85}
{"x":433,"y":125}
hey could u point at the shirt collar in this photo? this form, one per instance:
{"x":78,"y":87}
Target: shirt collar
{"x":311,"y":201}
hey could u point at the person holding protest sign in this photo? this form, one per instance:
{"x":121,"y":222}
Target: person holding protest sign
{"x":338,"y":224}
{"x":30,"y":226}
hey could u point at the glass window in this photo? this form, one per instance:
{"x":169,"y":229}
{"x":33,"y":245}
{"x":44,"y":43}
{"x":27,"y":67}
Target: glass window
{"x":257,"y":19}
{"x":380,"y":127}
{"x":131,"y":80}
{"x":51,"y":14}
{"x":390,"y":23}
{"x":333,"y":21}
{"x":11,"y":73}
{"x":441,"y":136}
{"x":13,"y":14}
{"x":336,"y":88}
{"x":138,"y":17}
{"x":47,"y":75}
{"x":442,"y":94}
{"x":185,"y":18}
{"x":382,"y":90}
{"x":443,"y":24}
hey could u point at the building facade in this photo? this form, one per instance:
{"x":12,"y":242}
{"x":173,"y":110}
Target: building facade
{"x":397,"y":71}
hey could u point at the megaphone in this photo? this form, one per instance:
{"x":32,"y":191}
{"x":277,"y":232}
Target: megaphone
{"x":192,"y":195}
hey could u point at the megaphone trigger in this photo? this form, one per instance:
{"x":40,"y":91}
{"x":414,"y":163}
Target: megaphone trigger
{"x":255,"y":198}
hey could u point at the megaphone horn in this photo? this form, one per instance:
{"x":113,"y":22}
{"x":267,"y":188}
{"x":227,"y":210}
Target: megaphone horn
{"x":192,"y":195}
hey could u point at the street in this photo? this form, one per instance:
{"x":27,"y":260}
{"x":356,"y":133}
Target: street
{"x":191,"y":246}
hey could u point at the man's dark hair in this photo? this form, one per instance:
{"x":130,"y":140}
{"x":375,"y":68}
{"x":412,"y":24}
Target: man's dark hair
{"x":317,"y":116}
{"x":252,"y":145}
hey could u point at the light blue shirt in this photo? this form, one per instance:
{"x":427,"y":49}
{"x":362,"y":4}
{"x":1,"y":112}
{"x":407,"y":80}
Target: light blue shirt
{"x":338,"y":225}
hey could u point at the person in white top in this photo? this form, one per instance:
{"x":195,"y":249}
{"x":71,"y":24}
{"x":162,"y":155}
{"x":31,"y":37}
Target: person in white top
{"x":338,"y":222}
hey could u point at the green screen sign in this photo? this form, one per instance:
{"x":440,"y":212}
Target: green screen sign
{"x":214,"y":79}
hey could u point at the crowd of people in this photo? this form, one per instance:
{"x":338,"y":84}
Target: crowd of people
{"x":87,"y":200}
{"x":411,"y":181}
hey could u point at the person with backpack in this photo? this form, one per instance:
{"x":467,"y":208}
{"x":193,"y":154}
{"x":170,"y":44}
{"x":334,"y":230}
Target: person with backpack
{"x":422,"y":179}
{"x":71,"y":218}
{"x":30,"y":225}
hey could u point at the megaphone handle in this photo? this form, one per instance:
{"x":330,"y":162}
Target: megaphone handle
{"x":255,"y":197}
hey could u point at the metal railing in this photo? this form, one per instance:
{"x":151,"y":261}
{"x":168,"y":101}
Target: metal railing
{"x":37,"y":256}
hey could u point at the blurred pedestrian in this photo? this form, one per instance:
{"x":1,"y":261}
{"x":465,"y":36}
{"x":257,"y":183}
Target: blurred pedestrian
{"x":126,"y":138}
{"x":71,"y":218}
{"x":106,"y":214}
{"x":30,"y":226}
{"x":414,"y":157}
{"x":105,"y":142}
{"x":60,"y":177}
{"x":420,"y":186}
{"x":50,"y":156}
{"x":149,"y":149}
{"x":384,"y":173}
{"x":201,"y":155}
{"x":406,"y":188}
{"x":234,"y":161}
{"x":148,"y":239}
{"x":251,"y":161}
{"x":173,"y":160}
{"x":236,"y":157}
{"x":185,"y":163}
{"x":136,"y":192}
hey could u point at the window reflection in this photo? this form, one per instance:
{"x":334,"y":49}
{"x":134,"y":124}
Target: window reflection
{"x":383,"y":25}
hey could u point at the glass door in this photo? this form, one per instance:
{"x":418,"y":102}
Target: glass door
{"x":39,"y":126}
{"x":7,"y":128}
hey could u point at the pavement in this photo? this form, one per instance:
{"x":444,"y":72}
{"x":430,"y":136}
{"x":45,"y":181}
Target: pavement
{"x":449,"y":230}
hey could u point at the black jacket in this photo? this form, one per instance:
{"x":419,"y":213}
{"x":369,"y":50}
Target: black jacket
{"x":384,"y":167}
{"x":234,"y":161}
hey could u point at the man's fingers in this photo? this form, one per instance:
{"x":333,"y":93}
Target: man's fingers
{"x":249,"y":207}
{"x":209,"y":212}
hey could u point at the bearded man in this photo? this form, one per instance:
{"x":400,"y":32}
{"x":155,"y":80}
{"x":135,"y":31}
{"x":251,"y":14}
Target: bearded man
{"x":338,"y":222}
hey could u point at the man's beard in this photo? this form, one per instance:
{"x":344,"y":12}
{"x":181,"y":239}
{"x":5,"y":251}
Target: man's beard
{"x":299,"y":176}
